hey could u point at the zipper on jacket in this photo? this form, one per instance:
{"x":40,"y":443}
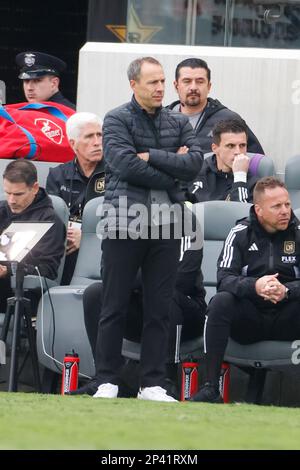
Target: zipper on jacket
{"x":271,"y":258}
{"x":155,"y":130}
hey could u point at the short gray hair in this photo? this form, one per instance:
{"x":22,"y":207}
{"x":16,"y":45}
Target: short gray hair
{"x":77,"y":121}
{"x":134,"y":69}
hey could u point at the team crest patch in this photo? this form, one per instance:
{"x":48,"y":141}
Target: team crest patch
{"x":100,"y":185}
{"x":289,"y":248}
{"x":50,"y":129}
{"x":29,"y":59}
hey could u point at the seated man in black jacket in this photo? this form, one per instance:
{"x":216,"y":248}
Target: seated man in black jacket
{"x":79,"y":180}
{"x":27,"y":202}
{"x":193,"y":85}
{"x":225,"y":175}
{"x":258,"y":281}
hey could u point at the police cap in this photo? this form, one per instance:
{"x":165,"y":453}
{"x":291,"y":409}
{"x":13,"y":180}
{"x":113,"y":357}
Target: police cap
{"x":39,"y":64}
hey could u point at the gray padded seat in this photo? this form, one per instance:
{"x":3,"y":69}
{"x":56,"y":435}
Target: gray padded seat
{"x":265,"y":354}
{"x":261,"y":165}
{"x":43,"y":170}
{"x":62,"y":329}
{"x":292,"y":179}
{"x":87,"y":269}
{"x":64,"y":325}
{"x":218,"y":219}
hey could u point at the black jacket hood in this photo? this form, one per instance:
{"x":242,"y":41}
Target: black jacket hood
{"x":212,"y":107}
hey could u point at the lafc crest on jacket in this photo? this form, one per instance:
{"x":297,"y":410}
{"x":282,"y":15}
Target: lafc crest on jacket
{"x":289,"y":247}
{"x":99,"y":186}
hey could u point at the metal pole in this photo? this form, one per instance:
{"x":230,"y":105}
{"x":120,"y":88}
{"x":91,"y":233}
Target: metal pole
{"x":13,"y":373}
{"x":18,"y":272}
{"x":189,"y":13}
{"x":228,"y":23}
{"x":194,"y":22}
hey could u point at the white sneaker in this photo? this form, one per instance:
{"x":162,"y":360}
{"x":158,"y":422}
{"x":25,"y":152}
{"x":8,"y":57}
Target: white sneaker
{"x":107,"y":391}
{"x":154,"y":394}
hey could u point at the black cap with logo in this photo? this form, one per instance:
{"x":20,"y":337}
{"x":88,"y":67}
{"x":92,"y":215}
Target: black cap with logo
{"x":39,"y":64}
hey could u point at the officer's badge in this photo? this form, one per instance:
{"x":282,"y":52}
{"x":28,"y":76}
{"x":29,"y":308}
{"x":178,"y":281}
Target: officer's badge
{"x":100,"y":185}
{"x":29,"y":59}
{"x":289,"y":248}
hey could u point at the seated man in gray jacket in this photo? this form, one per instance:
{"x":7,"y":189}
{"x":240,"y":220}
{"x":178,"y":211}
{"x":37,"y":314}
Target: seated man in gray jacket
{"x":193,"y":85}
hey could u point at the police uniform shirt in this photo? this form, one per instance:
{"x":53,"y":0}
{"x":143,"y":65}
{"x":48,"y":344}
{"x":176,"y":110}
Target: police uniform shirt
{"x":59,"y":98}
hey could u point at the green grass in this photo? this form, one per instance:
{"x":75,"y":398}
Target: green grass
{"x":31,"y":421}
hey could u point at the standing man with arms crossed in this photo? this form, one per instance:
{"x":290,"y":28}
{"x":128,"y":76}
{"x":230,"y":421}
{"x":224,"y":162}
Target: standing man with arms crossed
{"x":147,"y":150}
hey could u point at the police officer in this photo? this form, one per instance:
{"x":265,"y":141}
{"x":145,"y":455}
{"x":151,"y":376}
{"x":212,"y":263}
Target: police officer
{"x":79,"y":180}
{"x":40,"y":73}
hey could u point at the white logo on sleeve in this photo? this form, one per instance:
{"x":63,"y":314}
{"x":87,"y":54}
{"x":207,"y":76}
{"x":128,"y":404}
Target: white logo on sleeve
{"x":253,"y":247}
{"x":198,"y":185}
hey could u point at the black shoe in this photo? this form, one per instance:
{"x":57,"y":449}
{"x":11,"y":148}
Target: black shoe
{"x":89,"y":388}
{"x":129,"y":383}
{"x":208,"y":394}
{"x":172,"y":389}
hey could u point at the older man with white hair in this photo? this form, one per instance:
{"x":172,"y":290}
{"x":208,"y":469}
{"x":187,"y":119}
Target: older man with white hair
{"x":79,"y":180}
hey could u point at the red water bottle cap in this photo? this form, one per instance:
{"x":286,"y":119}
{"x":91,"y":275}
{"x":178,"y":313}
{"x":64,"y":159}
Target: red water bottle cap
{"x":71,"y":354}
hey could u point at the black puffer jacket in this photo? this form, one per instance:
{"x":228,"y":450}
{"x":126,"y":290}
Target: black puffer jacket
{"x":250,"y":252}
{"x":213,"y":113}
{"x":129,"y":130}
{"x":48,"y":252}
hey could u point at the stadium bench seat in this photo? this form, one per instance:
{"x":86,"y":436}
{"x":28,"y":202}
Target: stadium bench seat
{"x":292,"y":179}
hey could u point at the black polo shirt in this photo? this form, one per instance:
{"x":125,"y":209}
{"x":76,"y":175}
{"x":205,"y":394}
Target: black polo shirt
{"x":69,"y":182}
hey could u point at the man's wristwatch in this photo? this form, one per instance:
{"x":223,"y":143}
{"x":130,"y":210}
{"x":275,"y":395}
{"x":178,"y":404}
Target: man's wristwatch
{"x":287,"y":293}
